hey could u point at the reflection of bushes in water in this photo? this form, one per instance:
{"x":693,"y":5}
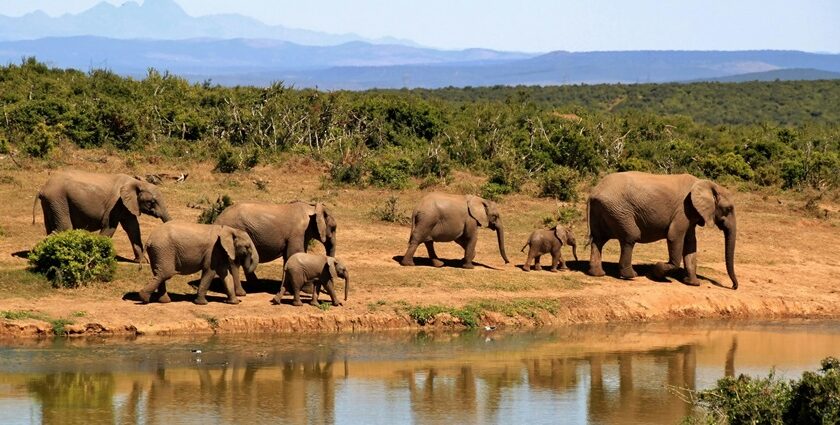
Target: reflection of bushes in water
{"x":61,"y":392}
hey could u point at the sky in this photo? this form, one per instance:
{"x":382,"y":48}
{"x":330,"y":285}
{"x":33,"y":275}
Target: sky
{"x":537,"y":25}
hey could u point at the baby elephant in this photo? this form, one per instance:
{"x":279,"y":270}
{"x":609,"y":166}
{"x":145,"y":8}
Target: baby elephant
{"x":302,"y":268}
{"x":186,"y":248}
{"x":549,"y":240}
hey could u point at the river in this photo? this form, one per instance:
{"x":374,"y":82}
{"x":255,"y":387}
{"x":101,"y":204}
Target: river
{"x":579,"y":374}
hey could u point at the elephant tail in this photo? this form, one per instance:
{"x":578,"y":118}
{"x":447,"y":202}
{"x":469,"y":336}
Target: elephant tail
{"x":35,"y":204}
{"x":526,"y":245}
{"x":588,"y":225}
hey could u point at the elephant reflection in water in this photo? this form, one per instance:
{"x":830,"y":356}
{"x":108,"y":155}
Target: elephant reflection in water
{"x":74,"y":398}
{"x":433,"y":391}
{"x":627,"y":404}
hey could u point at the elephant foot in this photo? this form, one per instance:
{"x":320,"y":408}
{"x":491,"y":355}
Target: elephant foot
{"x":553,"y":270}
{"x":468,"y":265}
{"x":407,"y":262}
{"x":241,"y":293}
{"x":692,"y":282}
{"x":314,"y":303}
{"x":437,"y":263}
{"x":526,"y":269}
{"x":538,"y":268}
{"x":277,"y":300}
{"x":200,"y":301}
{"x":297,"y":303}
{"x":659,"y":271}
{"x":628,"y":273}
{"x":164,"y":299}
{"x":233,"y":301}
{"x":145,"y":296}
{"x":597,"y":272}
{"x":337,"y":303}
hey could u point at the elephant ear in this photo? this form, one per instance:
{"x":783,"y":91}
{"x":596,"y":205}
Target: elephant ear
{"x":321,"y":221}
{"x":226,"y":240}
{"x":129,"y":196}
{"x":331,"y":266}
{"x":478,"y":210}
{"x":561,"y":234}
{"x":704,"y":199}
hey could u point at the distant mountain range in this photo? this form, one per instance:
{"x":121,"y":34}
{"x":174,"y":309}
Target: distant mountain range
{"x":234,"y":49}
{"x":163,"y":20}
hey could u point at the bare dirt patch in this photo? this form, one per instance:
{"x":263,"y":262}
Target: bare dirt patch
{"x":788,"y":264}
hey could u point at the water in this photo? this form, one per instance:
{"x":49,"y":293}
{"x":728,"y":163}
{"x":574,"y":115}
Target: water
{"x":587,"y":374}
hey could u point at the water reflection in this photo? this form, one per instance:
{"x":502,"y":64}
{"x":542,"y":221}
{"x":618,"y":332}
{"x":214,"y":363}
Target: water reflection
{"x":597,"y":375}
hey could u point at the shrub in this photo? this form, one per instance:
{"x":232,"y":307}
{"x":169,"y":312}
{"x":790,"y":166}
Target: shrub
{"x":747,"y":400}
{"x":40,"y":141}
{"x":728,"y":164}
{"x":209,"y":214}
{"x":389,"y":212}
{"x":392,"y":174}
{"x":347,"y":173}
{"x":560,"y":183}
{"x":74,"y":258}
{"x":816,"y":397}
{"x":229,"y":160}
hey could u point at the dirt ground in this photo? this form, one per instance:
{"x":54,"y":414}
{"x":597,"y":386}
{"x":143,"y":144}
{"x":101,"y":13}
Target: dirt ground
{"x":787,"y":262}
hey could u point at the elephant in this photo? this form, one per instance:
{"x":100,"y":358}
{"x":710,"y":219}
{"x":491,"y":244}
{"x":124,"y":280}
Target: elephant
{"x":303,"y":268}
{"x":543,"y":241}
{"x":636,"y":207}
{"x":186,"y":248}
{"x":99,"y":202}
{"x":280,"y":230}
{"x":441,"y":217}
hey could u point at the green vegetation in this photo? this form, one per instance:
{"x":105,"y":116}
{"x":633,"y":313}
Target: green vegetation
{"x":209,"y":214}
{"x":813,"y":399}
{"x":73,"y":258}
{"x":21,"y":315}
{"x":783,"y":134}
{"x":470,"y":314}
{"x":58,"y":325}
{"x":390,"y":212}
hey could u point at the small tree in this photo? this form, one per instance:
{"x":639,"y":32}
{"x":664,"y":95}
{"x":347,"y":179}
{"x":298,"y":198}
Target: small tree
{"x":73,"y":258}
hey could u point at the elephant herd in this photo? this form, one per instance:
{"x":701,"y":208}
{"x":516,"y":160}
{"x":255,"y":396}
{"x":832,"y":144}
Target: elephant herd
{"x":631,"y":207}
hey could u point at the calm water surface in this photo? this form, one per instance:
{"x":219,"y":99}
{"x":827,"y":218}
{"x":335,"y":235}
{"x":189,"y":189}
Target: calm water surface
{"x":588,"y":374}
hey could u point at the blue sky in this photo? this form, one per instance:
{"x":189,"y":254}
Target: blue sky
{"x":538,"y":25}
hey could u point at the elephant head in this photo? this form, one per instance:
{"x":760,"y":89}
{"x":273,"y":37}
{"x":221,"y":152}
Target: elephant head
{"x":239,"y":248}
{"x":714,"y":203}
{"x":142,"y":197}
{"x":566,"y":237}
{"x":336,"y":270}
{"x":486,"y":213}
{"x":325,"y":226}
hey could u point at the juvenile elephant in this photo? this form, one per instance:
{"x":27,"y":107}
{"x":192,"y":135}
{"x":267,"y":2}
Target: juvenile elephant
{"x":99,"y":202}
{"x":280,"y":230}
{"x":186,"y":248}
{"x":303,"y":268}
{"x":636,"y":207}
{"x":442,"y":217}
{"x":543,"y":241}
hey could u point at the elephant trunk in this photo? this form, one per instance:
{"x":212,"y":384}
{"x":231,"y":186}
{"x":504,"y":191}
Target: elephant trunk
{"x":251,"y":261}
{"x":729,"y":237}
{"x":500,"y":235}
{"x":329,"y":246}
{"x":346,"y":284}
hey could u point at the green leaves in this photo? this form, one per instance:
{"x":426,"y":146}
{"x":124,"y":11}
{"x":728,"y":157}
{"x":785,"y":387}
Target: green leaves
{"x":73,"y":258}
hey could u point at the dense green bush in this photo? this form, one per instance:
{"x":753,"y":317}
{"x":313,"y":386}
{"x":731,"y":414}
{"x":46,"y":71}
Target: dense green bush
{"x":392,"y":174}
{"x":73,"y":258}
{"x":230,"y":160}
{"x":209,"y":214}
{"x":813,"y":399}
{"x":560,"y":183}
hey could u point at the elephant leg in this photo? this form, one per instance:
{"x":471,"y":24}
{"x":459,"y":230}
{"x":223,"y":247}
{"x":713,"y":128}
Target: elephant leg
{"x":469,"y":251}
{"x":152,"y":286}
{"x":625,"y":263}
{"x":252,"y":279}
{"x":237,"y":283}
{"x":595,"y":266}
{"x":316,"y":288}
{"x":163,"y":296}
{"x":206,"y":278}
{"x":537,"y":265}
{"x":229,"y":285}
{"x":528,"y":260}
{"x":430,"y":248}
{"x":330,"y":285}
{"x":132,"y":228}
{"x":690,"y":258}
{"x":555,"y":261}
{"x":279,"y":297}
{"x":296,"y":293}
{"x":675,"y":254}
{"x":408,"y":257}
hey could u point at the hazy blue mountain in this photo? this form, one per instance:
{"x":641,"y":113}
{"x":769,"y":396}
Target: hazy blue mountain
{"x":802,"y":74}
{"x":162,"y":20}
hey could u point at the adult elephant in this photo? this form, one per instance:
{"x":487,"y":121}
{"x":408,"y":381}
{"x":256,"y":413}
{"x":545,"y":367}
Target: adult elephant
{"x":99,"y":202}
{"x":442,"y":217}
{"x":636,"y":207}
{"x":280,"y":230}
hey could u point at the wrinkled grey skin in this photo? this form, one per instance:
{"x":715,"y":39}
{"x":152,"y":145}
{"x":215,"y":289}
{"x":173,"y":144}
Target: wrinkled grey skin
{"x":320,"y":270}
{"x":280,"y":230}
{"x":99,"y":202}
{"x":177,"y":248}
{"x":441,"y":217}
{"x":545,"y":241}
{"x":636,"y":207}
